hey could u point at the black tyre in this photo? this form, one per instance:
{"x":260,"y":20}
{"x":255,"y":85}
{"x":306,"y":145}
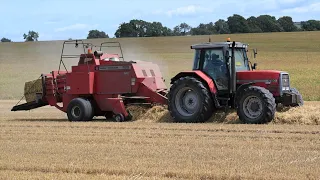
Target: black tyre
{"x":79,"y":110}
{"x":256,"y":105}
{"x":119,"y":117}
{"x":301,"y":102}
{"x":90,"y":108}
{"x":189,"y":101}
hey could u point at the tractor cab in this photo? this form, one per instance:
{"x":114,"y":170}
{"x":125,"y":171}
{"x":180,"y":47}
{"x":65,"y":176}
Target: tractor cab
{"x":214,"y":59}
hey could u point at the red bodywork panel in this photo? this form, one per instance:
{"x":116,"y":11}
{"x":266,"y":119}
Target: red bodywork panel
{"x":268,"y":79}
{"x":105,"y":81}
{"x":79,"y":83}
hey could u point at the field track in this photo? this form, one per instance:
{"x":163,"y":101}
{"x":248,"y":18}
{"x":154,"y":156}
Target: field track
{"x":42,"y":144}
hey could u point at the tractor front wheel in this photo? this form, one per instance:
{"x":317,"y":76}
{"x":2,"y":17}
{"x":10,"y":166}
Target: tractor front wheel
{"x":189,"y":101}
{"x":300,"y":99}
{"x":256,"y":105}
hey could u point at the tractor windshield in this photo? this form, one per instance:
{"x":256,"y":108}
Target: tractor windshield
{"x":241,"y":59}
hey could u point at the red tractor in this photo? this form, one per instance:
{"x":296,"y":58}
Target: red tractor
{"x":223,"y":77}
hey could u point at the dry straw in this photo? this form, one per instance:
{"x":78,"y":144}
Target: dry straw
{"x":309,"y":114}
{"x":31,"y":88}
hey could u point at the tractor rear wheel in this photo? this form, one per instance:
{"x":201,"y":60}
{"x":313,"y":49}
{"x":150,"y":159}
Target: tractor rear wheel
{"x":79,"y":109}
{"x":189,"y":101}
{"x":256,"y":105}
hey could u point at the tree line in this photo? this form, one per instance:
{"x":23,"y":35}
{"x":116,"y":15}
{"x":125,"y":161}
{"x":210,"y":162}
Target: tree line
{"x":234,"y":24}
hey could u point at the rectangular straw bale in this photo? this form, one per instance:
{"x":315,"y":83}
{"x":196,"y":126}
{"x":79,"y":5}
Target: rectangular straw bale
{"x":31,"y":88}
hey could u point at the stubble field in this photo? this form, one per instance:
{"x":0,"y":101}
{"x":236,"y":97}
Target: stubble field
{"x":42,"y":144}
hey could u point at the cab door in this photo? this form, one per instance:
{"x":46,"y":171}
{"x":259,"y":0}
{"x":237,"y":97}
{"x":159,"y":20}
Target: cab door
{"x":214,"y":65}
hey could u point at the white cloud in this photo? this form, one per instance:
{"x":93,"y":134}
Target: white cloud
{"x":185,"y":10}
{"x":75,"y":27}
{"x":315,"y":7}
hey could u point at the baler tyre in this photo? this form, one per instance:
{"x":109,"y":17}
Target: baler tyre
{"x":265,"y":108}
{"x":294,"y":90}
{"x":90,"y":110}
{"x":78,"y":110}
{"x":190,"y":101}
{"x":118,"y":117}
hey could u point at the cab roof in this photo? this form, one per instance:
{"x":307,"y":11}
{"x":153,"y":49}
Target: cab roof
{"x":217,"y":45}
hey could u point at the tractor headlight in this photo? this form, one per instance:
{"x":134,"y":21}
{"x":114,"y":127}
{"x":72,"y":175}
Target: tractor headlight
{"x":285,"y":82}
{"x":285,"y":88}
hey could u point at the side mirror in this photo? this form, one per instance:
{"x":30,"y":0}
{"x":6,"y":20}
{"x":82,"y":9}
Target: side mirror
{"x":255,"y":52}
{"x":254,"y":66}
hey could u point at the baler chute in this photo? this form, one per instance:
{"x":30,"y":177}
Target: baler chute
{"x":100,"y":84}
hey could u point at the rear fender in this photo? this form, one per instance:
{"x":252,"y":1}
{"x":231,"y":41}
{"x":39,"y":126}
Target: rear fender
{"x":200,"y":76}
{"x":206,"y":80}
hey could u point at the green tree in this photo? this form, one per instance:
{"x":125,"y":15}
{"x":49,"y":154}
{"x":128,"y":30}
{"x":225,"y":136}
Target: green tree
{"x":222,"y":27}
{"x":96,"y":34}
{"x":268,"y":23}
{"x":134,"y":28}
{"x":5,"y":40}
{"x":31,"y":36}
{"x":140,"y":28}
{"x":182,"y":29}
{"x":287,"y":24}
{"x":155,"y":29}
{"x":253,"y":25}
{"x":238,"y":24}
{"x":204,"y":29}
{"x":310,"y":25}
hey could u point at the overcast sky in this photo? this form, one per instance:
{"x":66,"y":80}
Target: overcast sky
{"x":63,"y":19}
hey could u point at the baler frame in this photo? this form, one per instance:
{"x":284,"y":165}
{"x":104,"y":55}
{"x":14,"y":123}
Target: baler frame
{"x":85,"y":46}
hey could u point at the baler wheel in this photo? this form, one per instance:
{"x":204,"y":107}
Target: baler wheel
{"x":79,"y":110}
{"x":118,"y":117}
{"x":256,"y":105}
{"x":91,"y":109}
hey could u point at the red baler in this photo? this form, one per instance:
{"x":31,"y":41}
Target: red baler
{"x":100,"y":85}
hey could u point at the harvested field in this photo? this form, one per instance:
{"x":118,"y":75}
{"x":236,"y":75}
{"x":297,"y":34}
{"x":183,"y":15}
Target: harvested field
{"x":42,"y":144}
